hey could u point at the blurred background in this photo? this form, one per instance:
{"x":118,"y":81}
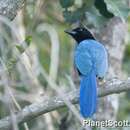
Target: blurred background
{"x":34,"y":49}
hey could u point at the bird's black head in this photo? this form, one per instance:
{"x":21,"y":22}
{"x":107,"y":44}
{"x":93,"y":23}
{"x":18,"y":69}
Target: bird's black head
{"x":80,"y":34}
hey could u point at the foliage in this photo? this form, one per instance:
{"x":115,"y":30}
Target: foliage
{"x":105,"y":8}
{"x":118,"y":8}
{"x":66,"y":3}
{"x":21,"y":48}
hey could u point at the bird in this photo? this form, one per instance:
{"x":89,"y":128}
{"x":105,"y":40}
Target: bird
{"x":91,"y":61}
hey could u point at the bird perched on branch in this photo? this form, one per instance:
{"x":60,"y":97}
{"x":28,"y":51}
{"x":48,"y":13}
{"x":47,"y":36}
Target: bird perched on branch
{"x":91,"y":60}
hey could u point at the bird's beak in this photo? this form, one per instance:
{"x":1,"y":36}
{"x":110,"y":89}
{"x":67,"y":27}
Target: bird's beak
{"x":70,"y":32}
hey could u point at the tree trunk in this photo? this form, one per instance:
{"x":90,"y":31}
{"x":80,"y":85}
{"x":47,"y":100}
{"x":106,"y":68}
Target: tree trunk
{"x":112,"y":36}
{"x":9,"y":8}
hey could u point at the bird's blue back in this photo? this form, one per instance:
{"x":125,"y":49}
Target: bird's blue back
{"x":91,"y":55}
{"x":91,"y":60}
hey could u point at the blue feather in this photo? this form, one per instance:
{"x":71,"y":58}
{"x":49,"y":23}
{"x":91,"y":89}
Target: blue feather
{"x":88,"y":95}
{"x":91,"y":60}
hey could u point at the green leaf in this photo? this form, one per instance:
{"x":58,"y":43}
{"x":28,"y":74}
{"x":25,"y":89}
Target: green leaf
{"x":118,"y":8}
{"x":28,"y":40}
{"x":11,"y":64}
{"x":74,"y":16}
{"x":67,"y":15}
{"x":66,"y":3}
{"x":94,"y":18}
{"x":101,"y":6}
{"x":88,"y":3}
{"x":20,"y":48}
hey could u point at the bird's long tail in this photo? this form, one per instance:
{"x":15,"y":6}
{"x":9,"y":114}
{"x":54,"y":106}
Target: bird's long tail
{"x":88,"y":95}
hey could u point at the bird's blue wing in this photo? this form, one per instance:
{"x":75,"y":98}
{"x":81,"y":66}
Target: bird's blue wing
{"x":100,"y":58}
{"x":102,"y":64}
{"x":83,"y":60}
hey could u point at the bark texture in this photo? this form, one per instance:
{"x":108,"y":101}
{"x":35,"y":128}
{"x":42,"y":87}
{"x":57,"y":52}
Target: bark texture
{"x":112,"y":36}
{"x":9,"y":8}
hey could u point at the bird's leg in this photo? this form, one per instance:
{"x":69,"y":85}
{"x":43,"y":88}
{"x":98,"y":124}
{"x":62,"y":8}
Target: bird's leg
{"x":101,"y":81}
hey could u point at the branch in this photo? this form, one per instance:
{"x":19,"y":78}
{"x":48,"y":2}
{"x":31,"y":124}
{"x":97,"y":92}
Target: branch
{"x":9,"y":8}
{"x":45,"y":106}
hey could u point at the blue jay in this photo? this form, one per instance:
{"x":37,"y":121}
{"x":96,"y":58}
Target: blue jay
{"x":91,"y":61}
